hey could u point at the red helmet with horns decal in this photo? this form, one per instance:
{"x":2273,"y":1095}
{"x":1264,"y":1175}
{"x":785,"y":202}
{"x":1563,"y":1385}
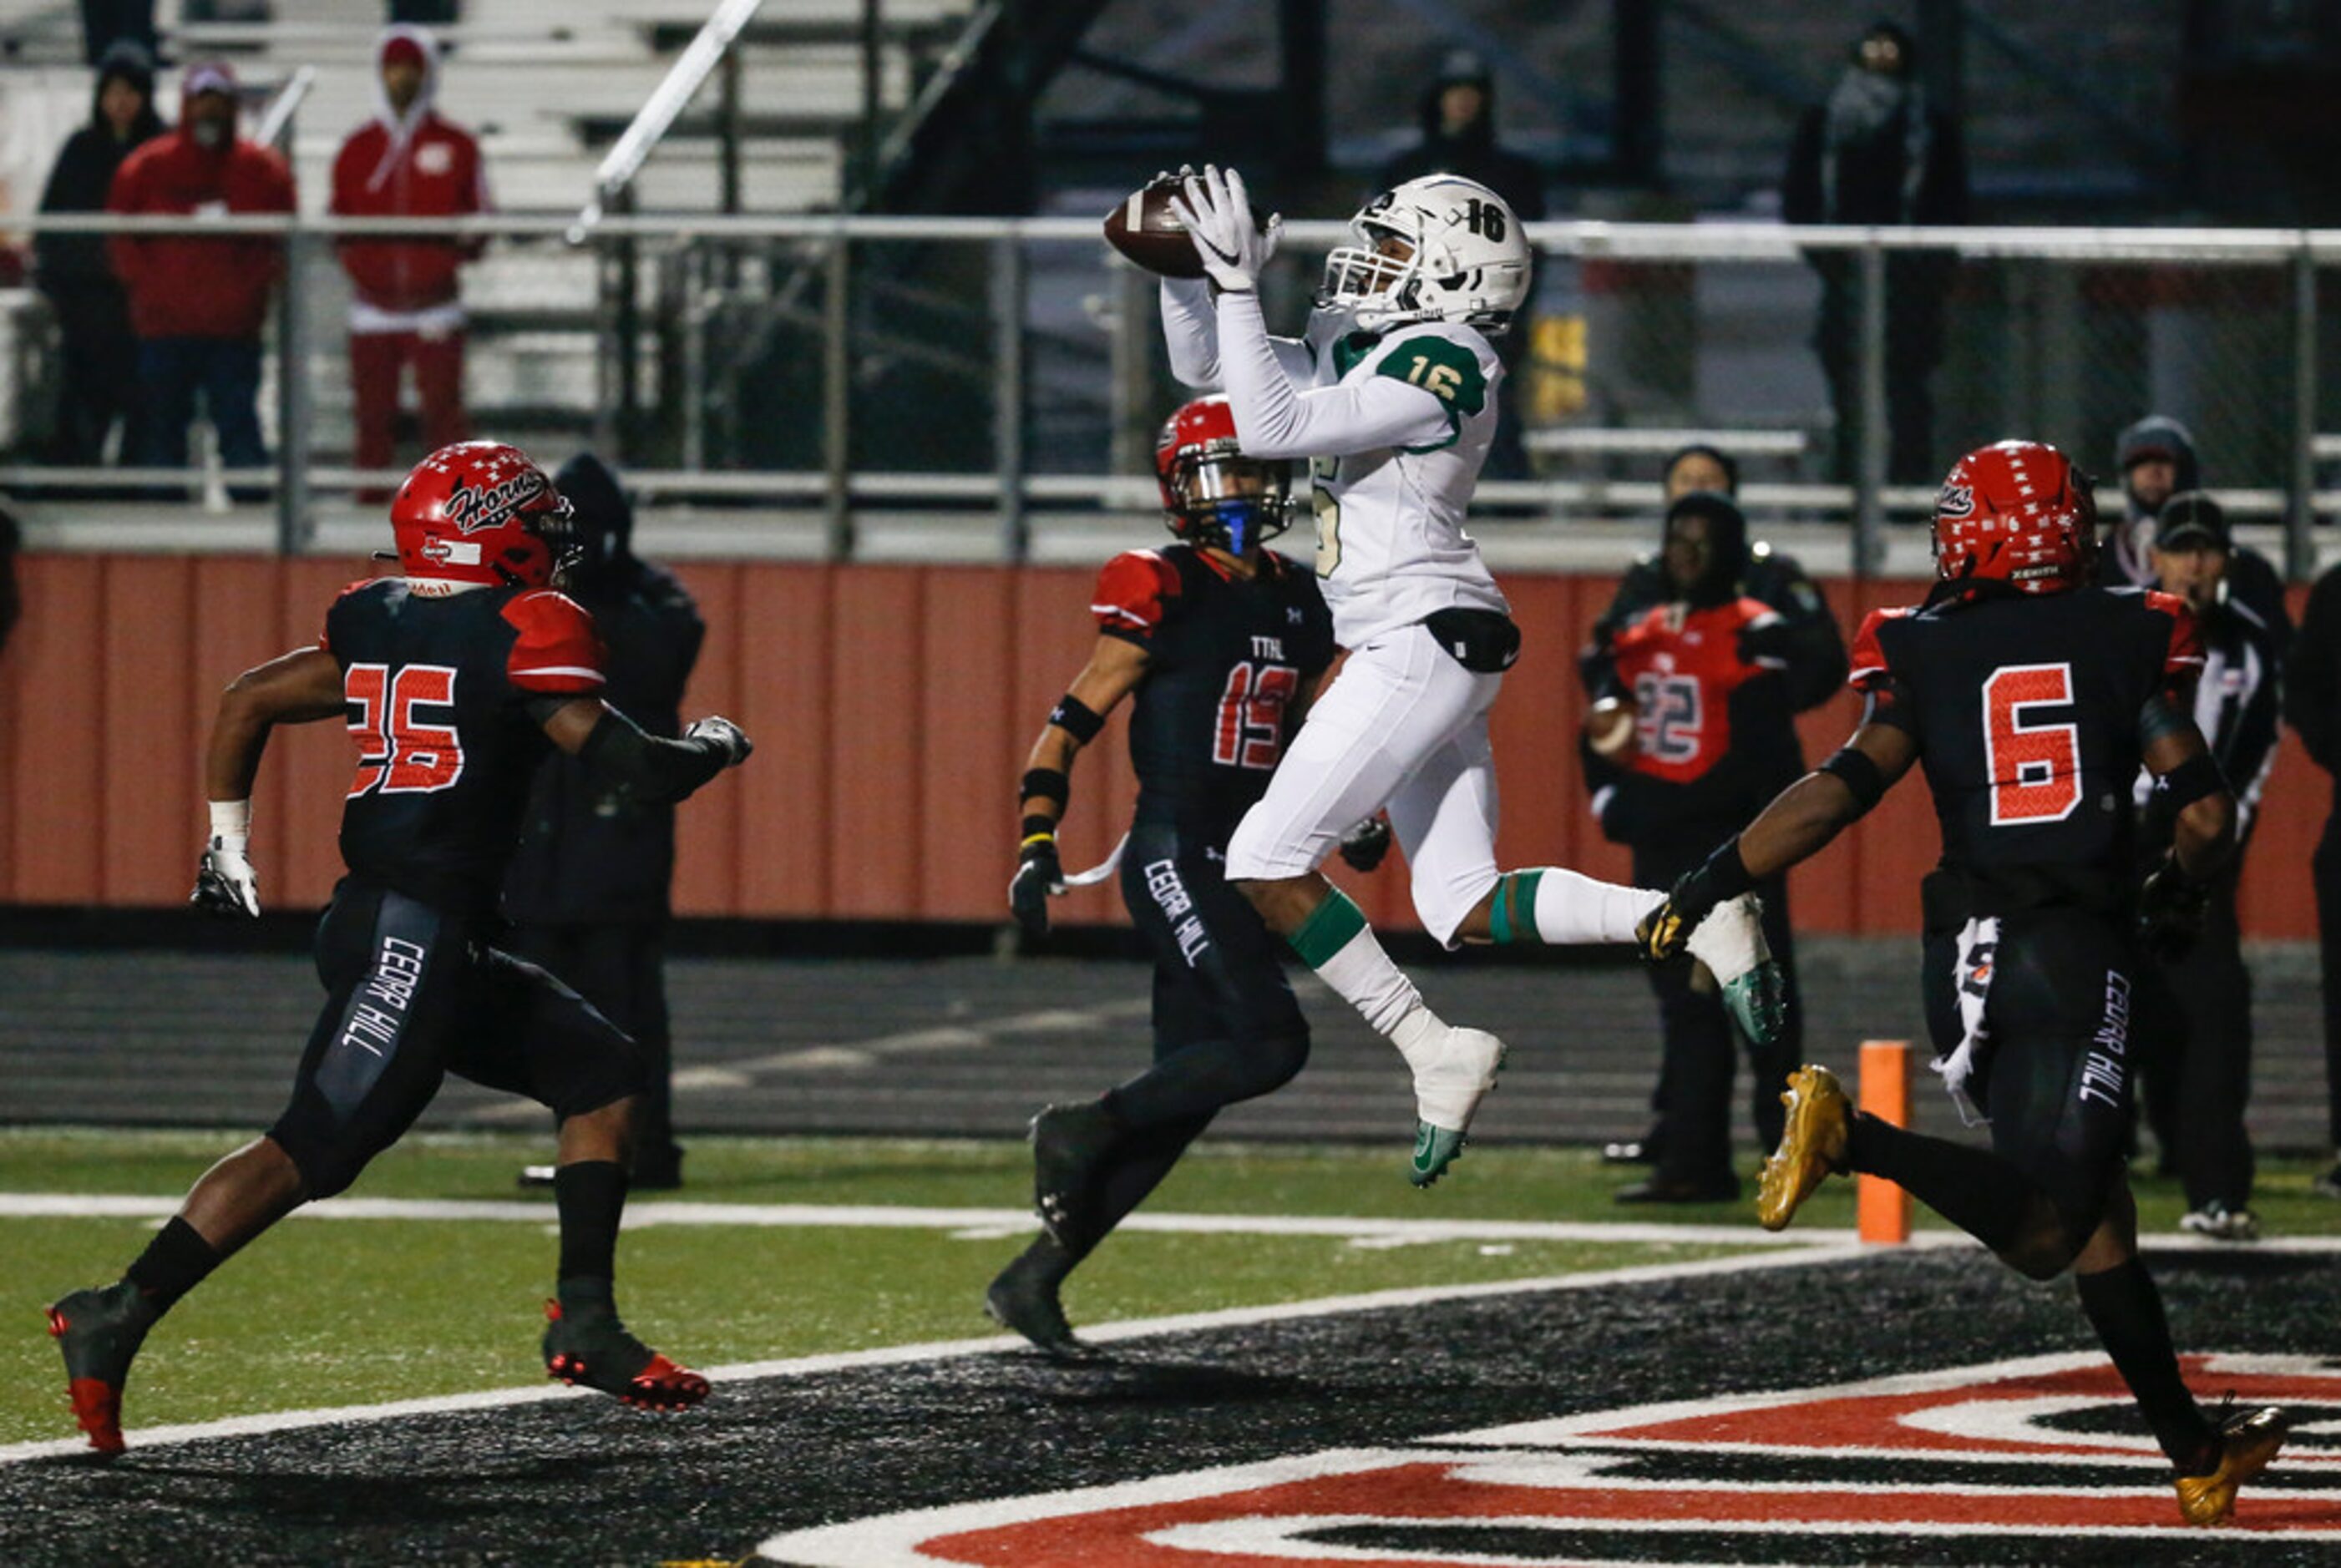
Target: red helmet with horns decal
{"x":480,"y":512}
{"x":2018,"y":511}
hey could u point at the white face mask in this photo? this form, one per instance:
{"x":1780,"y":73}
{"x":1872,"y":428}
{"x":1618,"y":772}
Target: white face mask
{"x":210,"y":135}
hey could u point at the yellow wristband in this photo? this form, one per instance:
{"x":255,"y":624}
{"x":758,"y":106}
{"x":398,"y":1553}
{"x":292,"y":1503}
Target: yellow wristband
{"x":1038,"y":838}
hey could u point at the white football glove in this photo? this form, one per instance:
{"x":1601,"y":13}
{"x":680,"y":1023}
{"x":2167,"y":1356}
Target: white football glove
{"x":1217,"y":216}
{"x":724,"y":733}
{"x":226,"y":881}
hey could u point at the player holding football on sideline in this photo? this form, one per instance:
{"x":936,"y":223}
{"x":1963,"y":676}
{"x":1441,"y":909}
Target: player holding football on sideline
{"x":1220,"y":644}
{"x":1391,"y":396}
{"x":2030,"y":700}
{"x":455,"y":680}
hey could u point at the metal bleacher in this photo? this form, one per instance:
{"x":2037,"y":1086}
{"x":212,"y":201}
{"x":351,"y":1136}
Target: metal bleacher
{"x":547,"y":89}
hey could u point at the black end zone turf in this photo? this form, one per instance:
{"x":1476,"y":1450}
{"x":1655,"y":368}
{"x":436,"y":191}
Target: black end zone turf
{"x":587,"y":1481}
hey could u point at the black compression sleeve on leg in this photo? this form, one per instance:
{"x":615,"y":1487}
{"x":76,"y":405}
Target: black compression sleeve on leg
{"x":2125,"y":1310}
{"x":174,"y":1263}
{"x":592,"y":1197}
{"x":655,"y":768}
{"x":1974,"y":1188}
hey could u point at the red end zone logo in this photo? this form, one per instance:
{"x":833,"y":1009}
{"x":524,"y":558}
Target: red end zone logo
{"x":1921,"y":1456}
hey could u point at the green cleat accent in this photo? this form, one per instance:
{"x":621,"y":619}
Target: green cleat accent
{"x":1758,"y":1002}
{"x":1434,"y":1148}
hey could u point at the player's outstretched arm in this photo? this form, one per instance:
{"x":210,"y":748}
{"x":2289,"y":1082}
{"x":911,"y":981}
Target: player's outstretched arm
{"x":653,"y":768}
{"x":1798,"y":824}
{"x":298,"y":688}
{"x":1116,"y":666}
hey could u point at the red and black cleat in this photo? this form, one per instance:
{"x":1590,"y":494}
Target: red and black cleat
{"x":100,"y":1332}
{"x":591,"y":1347}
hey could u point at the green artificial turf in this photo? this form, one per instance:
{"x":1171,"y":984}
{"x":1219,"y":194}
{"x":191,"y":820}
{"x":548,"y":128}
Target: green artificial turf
{"x":323,"y":1313}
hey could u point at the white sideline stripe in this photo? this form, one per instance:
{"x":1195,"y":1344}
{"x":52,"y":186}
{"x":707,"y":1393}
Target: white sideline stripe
{"x":1016,"y":1222}
{"x":1007,"y":1220}
{"x":142,"y":1438}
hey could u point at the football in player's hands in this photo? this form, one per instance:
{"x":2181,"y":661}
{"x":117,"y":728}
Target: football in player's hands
{"x":1143,"y":228}
{"x":1609,"y":726}
{"x":724,"y":733}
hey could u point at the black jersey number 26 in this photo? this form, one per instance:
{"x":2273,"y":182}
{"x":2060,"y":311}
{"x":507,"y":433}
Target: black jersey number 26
{"x":398,"y":754}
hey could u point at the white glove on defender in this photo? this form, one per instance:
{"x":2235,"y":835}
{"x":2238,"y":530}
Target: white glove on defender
{"x":225,"y":879}
{"x":724,"y":733}
{"x":1217,"y":216}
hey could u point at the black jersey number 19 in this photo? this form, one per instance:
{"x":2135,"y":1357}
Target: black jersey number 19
{"x":397,"y":754}
{"x":1251,"y":730}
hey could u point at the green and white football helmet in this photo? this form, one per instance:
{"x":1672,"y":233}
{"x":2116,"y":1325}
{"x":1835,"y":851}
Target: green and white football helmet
{"x":1465,"y":258}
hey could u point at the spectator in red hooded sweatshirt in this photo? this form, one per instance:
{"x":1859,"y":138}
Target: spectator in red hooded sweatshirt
{"x":406,"y":308}
{"x":197,"y":302}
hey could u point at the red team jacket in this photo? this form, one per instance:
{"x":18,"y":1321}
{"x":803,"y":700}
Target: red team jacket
{"x":1682,"y":665}
{"x":182,"y":286}
{"x":425,"y":167}
{"x":436,"y":173}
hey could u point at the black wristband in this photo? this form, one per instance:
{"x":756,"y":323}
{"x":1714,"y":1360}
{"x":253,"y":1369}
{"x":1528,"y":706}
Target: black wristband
{"x":1860,"y":775}
{"x":1036,"y":826}
{"x":1045,"y":784}
{"x":1721,"y":876}
{"x":2191,"y":779}
{"x":1074,"y":717}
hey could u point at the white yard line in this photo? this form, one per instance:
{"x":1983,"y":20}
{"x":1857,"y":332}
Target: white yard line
{"x":142,"y":1438}
{"x":992,"y":1222}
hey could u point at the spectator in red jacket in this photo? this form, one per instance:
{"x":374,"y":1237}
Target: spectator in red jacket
{"x":197,"y":303}
{"x":405,"y":306}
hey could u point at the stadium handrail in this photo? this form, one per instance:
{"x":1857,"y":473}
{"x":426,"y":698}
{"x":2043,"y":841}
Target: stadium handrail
{"x":683,"y":79}
{"x":1733,"y":242}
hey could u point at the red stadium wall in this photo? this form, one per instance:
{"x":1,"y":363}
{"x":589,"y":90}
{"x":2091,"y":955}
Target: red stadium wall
{"x":890,"y":706}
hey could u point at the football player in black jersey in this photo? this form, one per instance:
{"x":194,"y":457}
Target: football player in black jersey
{"x":455,"y":680}
{"x":1221,"y":645}
{"x":2030,"y":700}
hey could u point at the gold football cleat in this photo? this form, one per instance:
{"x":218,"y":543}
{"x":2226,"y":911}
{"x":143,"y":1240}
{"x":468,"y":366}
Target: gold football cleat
{"x":2247,"y":1443}
{"x":1812,"y":1145}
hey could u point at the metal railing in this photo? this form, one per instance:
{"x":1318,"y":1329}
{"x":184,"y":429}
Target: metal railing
{"x":824,"y":380}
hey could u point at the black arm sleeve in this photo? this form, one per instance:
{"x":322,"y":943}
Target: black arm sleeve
{"x":650,"y":768}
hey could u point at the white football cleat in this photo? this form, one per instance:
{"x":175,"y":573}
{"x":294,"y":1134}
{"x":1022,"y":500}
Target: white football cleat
{"x":1453,"y":1071}
{"x":1730,"y":943}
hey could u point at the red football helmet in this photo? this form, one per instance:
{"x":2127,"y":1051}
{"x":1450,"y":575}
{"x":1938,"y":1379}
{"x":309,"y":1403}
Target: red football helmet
{"x":1211,"y":493}
{"x":2019,"y":512}
{"x":482,"y":512}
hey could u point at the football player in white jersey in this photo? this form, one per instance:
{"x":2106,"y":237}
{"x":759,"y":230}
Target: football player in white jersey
{"x":1392,"y":397}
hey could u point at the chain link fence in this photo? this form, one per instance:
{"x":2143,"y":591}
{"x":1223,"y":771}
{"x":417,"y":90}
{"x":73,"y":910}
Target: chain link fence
{"x":986,"y":373}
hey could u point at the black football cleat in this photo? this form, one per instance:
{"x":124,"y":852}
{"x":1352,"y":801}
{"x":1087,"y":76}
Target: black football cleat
{"x":1023,"y":1300}
{"x":585,"y":1342}
{"x":1068,"y":1143}
{"x":100,"y":1332}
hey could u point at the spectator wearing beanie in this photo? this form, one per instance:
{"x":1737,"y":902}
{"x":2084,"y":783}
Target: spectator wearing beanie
{"x":98,"y":354}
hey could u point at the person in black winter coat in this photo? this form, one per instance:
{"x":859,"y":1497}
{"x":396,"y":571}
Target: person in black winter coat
{"x":1877,"y":152}
{"x":2156,"y":458}
{"x":1458,"y":114}
{"x":1709,"y":675}
{"x":588,"y":892}
{"x":98,"y":354}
